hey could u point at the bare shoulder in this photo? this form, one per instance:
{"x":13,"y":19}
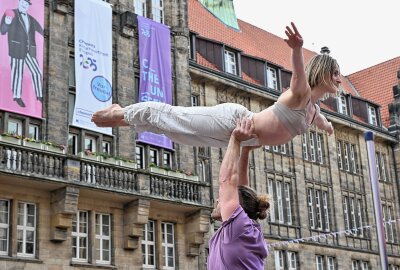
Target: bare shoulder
{"x":295,"y":99}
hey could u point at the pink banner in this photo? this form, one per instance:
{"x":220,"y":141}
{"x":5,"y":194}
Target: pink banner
{"x":21,"y":54}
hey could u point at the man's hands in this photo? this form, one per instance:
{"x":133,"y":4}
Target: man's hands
{"x":294,"y":40}
{"x":244,"y":130}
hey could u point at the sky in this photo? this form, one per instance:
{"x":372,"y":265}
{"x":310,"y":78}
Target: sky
{"x":359,"y":34}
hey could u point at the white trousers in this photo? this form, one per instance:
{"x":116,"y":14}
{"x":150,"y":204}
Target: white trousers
{"x":196,"y":126}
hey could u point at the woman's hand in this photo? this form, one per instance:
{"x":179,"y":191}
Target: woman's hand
{"x":294,"y":40}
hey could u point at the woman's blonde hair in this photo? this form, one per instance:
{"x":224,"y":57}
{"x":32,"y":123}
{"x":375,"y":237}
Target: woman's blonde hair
{"x":320,"y":69}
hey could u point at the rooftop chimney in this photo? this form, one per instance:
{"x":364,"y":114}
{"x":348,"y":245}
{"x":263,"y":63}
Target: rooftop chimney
{"x":325,"y":50}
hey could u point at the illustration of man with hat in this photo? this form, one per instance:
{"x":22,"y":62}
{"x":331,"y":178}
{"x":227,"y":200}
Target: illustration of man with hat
{"x":21,"y":28}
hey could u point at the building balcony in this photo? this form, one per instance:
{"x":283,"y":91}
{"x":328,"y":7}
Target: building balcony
{"x":49,"y":166}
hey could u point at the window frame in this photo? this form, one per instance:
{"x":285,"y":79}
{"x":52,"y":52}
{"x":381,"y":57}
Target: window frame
{"x":372,"y":115}
{"x":230,"y":62}
{"x":146,"y":244}
{"x":80,"y":235}
{"x":24,"y":228}
{"x":272,"y":78}
{"x":165,"y":245}
{"x":99,"y":235}
{"x":6,"y":227}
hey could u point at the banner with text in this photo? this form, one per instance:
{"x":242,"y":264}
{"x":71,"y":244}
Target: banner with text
{"x":155,"y":71}
{"x":93,"y":61}
{"x":21,"y":54}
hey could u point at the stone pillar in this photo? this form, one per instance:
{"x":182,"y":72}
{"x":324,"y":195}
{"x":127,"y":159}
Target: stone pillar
{"x":56,"y":71}
{"x":136,"y":214}
{"x":197,"y":225}
{"x":64,"y":204}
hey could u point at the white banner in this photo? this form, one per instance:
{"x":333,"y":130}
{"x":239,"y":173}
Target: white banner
{"x":93,"y":61}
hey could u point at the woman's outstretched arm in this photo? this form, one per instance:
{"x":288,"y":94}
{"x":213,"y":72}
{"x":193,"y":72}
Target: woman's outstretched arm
{"x":321,"y":122}
{"x":298,"y":83}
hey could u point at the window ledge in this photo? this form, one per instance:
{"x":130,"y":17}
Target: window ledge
{"x":96,"y":266}
{"x":20,"y":259}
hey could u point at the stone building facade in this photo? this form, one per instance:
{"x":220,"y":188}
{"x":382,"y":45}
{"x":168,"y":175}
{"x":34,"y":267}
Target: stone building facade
{"x":63,"y":209}
{"x":67,"y":210}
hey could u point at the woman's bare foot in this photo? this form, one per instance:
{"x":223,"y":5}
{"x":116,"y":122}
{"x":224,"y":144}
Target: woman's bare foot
{"x":111,"y":116}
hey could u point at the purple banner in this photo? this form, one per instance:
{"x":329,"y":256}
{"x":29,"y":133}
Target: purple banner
{"x":155,"y":71}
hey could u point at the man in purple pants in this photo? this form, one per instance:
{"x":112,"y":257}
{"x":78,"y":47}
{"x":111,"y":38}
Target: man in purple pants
{"x":239,"y":242}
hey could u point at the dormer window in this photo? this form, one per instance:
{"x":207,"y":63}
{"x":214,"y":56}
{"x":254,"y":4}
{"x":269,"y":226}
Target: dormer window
{"x":372,"y":119}
{"x":272,"y":78}
{"x":342,"y":105}
{"x":230,"y":62}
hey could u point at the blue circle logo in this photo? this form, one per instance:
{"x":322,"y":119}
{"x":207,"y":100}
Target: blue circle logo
{"x":101,"y":88}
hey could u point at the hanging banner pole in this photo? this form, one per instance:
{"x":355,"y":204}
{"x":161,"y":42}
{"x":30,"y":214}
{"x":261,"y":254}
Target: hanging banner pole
{"x":380,"y":230}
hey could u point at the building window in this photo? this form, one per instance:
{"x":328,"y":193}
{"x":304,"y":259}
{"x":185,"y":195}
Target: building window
{"x":73,"y":144}
{"x":372,"y":119}
{"x":281,"y":210}
{"x":103,"y":239}
{"x":331,"y":263}
{"x":106,"y":147}
{"x":149,"y":244}
{"x":71,"y":73}
{"x":283,"y":257}
{"x":90,"y":143}
{"x":279,"y":261}
{"x":272,"y":78}
{"x":342,"y":105}
{"x":80,"y":236}
{"x":380,"y":163}
{"x":167,"y":159}
{"x":4,"y":226}
{"x":140,"y":156}
{"x":168,"y":245}
{"x":292,"y":260}
{"x":230,"y":62}
{"x":353,"y":215}
{"x":140,"y":7}
{"x":347,"y":157}
{"x":279,"y":149}
{"x":313,"y":147}
{"x":359,"y":265}
{"x":26,"y":230}
{"x":157,"y":11}
{"x":15,"y":127}
{"x":305,"y":147}
{"x":320,"y":149}
{"x":318,"y":209}
{"x":353,"y":159}
{"x":194,"y":100}
{"x":33,"y":132}
{"x":153,"y":157}
{"x":319,"y":261}
{"x":339,"y":153}
{"x":390,"y":227}
{"x":310,"y":208}
{"x":325,"y":262}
